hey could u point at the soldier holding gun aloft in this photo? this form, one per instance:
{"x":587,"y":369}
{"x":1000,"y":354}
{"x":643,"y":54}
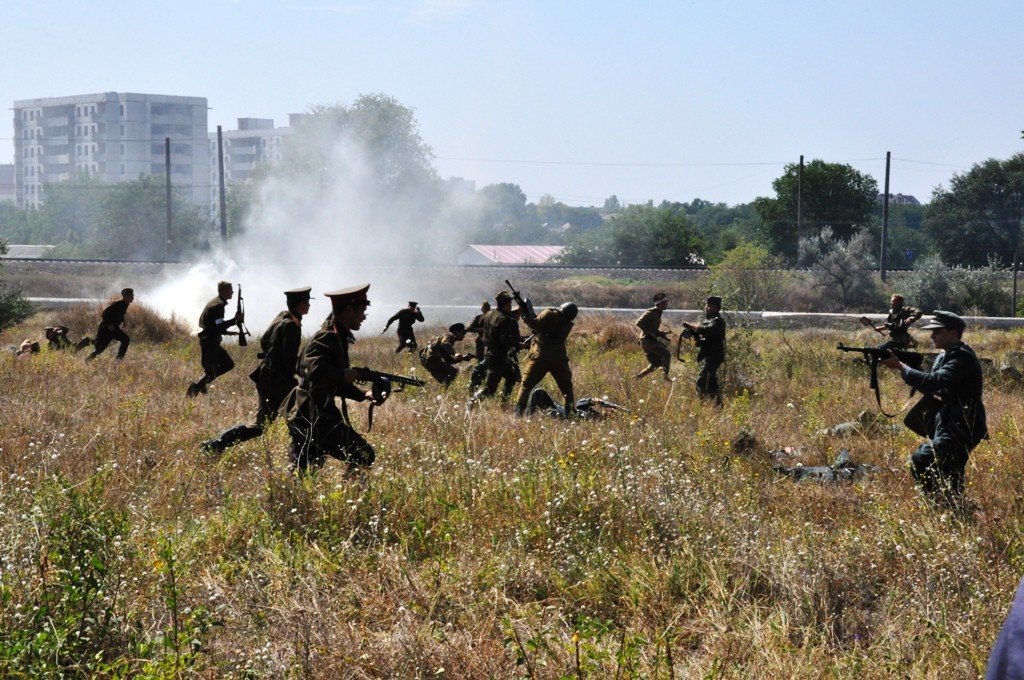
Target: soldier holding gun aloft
{"x":405,"y":318}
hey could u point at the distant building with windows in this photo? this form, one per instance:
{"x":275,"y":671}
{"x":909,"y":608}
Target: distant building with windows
{"x":113,"y":136}
{"x":7,"y":183}
{"x":254,"y":143}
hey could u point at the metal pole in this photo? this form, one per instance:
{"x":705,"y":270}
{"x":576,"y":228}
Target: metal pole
{"x":220,"y":173}
{"x":799,"y":204}
{"x":883,"y":260}
{"x":167,"y":175}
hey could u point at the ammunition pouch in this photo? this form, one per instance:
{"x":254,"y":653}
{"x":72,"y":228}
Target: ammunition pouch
{"x":921,"y":418}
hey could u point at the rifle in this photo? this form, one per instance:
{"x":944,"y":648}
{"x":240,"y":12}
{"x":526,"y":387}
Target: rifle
{"x":243,"y":332}
{"x":685,"y":334}
{"x":875,"y":354}
{"x":601,"y":402}
{"x":370,"y":375}
{"x":524,"y":303}
{"x":867,"y":322}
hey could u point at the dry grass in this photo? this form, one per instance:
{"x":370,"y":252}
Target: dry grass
{"x":486,"y":546}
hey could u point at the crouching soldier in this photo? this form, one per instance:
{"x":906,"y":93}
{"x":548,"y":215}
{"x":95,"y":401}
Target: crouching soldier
{"x":439,"y":356}
{"x":317,"y":426}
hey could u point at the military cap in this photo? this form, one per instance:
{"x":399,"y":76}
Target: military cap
{"x":355,"y":295}
{"x":658,"y":297}
{"x":714,"y":301}
{"x":943,"y":319}
{"x":502,"y":297}
{"x":298,"y":294}
{"x":413,"y":304}
{"x":457,"y":328}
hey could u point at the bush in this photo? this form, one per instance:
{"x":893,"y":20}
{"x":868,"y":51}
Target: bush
{"x":142,"y":323}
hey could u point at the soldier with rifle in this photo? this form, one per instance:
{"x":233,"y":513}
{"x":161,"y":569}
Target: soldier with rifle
{"x":897,"y":324}
{"x":548,"y":353}
{"x":709,"y":336}
{"x":501,"y":341}
{"x":214,"y":358}
{"x":653,"y":340}
{"x":317,"y":426}
{"x":275,"y":374}
{"x":953,"y":419}
{"x":405,"y":318}
{"x":439,"y":356}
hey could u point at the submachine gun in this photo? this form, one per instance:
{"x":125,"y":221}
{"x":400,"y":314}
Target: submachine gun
{"x":524,"y":303}
{"x":875,"y":354}
{"x":243,"y":332}
{"x":382,"y":385}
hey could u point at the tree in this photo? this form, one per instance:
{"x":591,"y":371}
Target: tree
{"x":832,"y":195}
{"x":13,"y":307}
{"x":980,"y":214}
{"x":371,"y":176}
{"x":750,"y":278}
{"x":643,"y":235}
{"x":841,"y":269}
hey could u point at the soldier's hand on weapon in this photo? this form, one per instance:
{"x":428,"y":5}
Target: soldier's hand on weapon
{"x":892,"y":361}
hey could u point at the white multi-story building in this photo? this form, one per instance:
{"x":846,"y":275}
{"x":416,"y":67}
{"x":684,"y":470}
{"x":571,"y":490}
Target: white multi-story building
{"x":255,"y":142}
{"x":113,"y":136}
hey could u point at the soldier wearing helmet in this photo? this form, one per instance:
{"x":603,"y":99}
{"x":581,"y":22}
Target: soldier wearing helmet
{"x":548,"y":354}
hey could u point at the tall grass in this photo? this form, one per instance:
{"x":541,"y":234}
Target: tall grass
{"x":482,"y":545}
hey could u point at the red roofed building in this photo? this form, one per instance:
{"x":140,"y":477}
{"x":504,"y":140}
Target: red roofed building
{"x":479,"y":254}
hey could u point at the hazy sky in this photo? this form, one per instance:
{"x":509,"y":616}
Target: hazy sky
{"x":645,"y":100}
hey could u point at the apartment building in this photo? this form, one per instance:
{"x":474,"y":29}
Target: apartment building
{"x":113,"y":136}
{"x":255,"y":142}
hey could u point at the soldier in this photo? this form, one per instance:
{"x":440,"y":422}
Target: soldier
{"x":215,"y":359}
{"x":110,"y":326}
{"x":501,"y":340}
{"x":405,"y":318}
{"x":57,"y":339}
{"x":709,"y":335}
{"x":548,"y":354}
{"x":476,"y":377}
{"x":653,"y":340}
{"x":439,"y":356}
{"x":959,"y":424}
{"x":898,"y":322}
{"x":275,"y":374}
{"x":317,"y":426}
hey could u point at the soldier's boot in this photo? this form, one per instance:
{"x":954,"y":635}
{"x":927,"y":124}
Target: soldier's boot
{"x":230,"y":437}
{"x":521,"y":405}
{"x":198,"y":387}
{"x":570,"y":406}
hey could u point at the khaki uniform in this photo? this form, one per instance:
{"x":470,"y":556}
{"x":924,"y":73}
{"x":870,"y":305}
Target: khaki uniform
{"x":439,"y":357}
{"x":548,"y":355}
{"x":897,"y":322}
{"x":653,"y":341}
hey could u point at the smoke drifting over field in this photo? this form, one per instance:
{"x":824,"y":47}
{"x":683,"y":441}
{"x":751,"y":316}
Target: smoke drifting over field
{"x":327,"y":225}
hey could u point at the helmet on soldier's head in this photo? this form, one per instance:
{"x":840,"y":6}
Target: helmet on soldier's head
{"x":570,"y":310}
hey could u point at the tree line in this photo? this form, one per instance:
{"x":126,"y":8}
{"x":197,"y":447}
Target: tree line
{"x":410,"y":208}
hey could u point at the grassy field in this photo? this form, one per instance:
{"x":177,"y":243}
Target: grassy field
{"x":481,"y":545}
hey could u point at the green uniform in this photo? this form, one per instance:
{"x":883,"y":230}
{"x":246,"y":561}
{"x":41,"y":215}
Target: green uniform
{"x":317,"y":426}
{"x":274,"y":377}
{"x":501,"y":342}
{"x":548,"y":355}
{"x":405,"y":318}
{"x":110,"y":330}
{"x":710,"y":355}
{"x":653,"y":341}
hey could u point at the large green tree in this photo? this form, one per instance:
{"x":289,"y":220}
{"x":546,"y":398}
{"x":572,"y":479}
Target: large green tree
{"x":642,"y":235}
{"x":361,"y":170}
{"x":832,"y":195}
{"x":980,"y":215}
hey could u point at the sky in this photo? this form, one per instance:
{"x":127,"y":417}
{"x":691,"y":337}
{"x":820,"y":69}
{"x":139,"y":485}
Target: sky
{"x":579,"y":100}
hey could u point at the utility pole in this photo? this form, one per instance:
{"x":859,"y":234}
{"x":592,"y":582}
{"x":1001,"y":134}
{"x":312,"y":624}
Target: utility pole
{"x":167,"y":175}
{"x":220,"y":175}
{"x":799,"y":203}
{"x":883,"y":260}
